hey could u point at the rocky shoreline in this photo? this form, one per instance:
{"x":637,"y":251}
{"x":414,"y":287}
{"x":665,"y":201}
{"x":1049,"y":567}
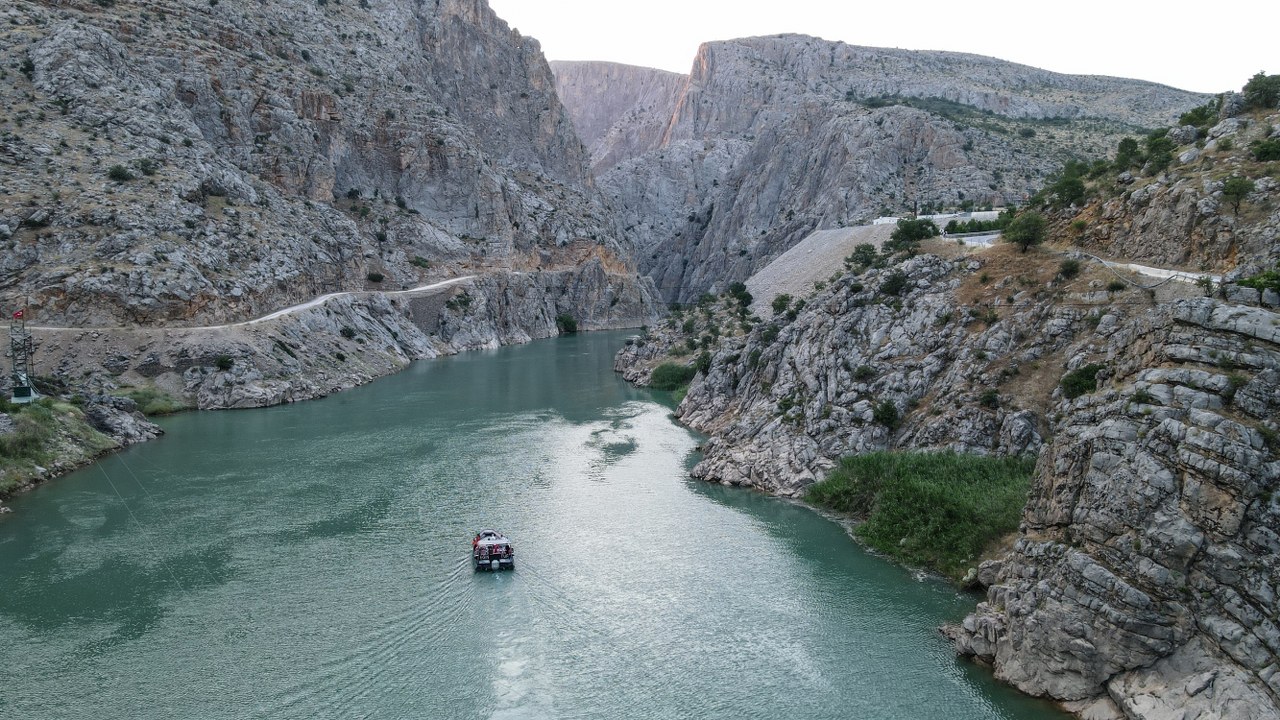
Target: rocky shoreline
{"x":1142,"y":581}
{"x":344,"y":343}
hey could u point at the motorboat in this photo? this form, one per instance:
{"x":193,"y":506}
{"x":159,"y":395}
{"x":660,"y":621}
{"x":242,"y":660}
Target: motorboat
{"x":491,"y":550}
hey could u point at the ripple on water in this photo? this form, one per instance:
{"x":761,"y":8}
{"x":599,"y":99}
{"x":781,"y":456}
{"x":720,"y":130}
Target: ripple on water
{"x":313,"y":561}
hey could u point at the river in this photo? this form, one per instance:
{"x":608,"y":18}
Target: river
{"x":311,"y":561}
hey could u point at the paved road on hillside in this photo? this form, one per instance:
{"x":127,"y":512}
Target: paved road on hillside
{"x":822,"y":253}
{"x":316,"y":302}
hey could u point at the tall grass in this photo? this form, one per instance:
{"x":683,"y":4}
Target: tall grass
{"x":670,"y":376}
{"x":938,"y":510}
{"x":152,"y":401}
{"x":44,"y":431}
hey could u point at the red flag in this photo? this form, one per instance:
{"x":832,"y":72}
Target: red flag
{"x":17,"y":315}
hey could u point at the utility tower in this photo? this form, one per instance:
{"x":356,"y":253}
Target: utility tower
{"x":21,"y":348}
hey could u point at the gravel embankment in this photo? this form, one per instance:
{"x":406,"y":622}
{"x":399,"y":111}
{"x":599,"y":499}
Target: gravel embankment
{"x":815,"y":258}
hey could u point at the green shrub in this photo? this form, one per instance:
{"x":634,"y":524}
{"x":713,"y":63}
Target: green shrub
{"x":1081,"y":381}
{"x":461,"y":301}
{"x":375,"y":277}
{"x":347,"y":332}
{"x":1266,"y":280}
{"x":864,"y":255}
{"x":1116,"y":286}
{"x":781,"y":303}
{"x":669,"y":376}
{"x":886,"y":413}
{"x":895,"y":284}
{"x":1069,"y":269}
{"x":566,"y":324}
{"x":990,"y":398}
{"x":119,"y":173}
{"x":1262,"y":91}
{"x":1202,"y":117}
{"x":864,"y":373}
{"x":938,"y":510}
{"x":419,"y":261}
{"x":1265,"y":150}
{"x":224,"y":362}
{"x":1235,"y":381}
{"x":152,"y":401}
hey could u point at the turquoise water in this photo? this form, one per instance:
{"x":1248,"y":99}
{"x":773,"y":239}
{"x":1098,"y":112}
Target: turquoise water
{"x":311,"y":561}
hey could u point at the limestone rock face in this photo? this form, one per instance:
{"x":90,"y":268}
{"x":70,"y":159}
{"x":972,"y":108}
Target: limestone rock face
{"x":773,"y":137}
{"x":1180,"y":218}
{"x":619,"y":111}
{"x":118,"y":418}
{"x":346,"y":341}
{"x":783,"y":403}
{"x":1148,"y":564}
{"x":186,"y":162}
{"x":1144,"y":576}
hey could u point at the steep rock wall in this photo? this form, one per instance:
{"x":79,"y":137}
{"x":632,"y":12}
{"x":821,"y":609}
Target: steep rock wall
{"x":774,"y":137}
{"x":619,"y":111}
{"x":1147,"y":567}
{"x":184,"y":161}
{"x":1142,"y":583}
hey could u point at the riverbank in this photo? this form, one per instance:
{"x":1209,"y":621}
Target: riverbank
{"x":312,"y":351}
{"x":320,"y":555}
{"x":1153,"y":420}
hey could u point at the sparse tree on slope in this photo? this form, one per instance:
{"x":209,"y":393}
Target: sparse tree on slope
{"x":1026,"y":229}
{"x":1262,"y":91}
{"x":1235,"y":190}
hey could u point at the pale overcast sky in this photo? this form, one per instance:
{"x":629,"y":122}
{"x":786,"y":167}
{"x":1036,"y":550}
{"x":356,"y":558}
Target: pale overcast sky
{"x":1201,"y":47}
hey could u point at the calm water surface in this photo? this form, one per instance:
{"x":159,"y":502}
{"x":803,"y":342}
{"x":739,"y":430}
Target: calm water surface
{"x":311,"y":561}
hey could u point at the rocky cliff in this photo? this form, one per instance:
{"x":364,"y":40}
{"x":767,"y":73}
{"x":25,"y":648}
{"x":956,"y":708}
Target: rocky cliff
{"x":1181,"y":218}
{"x":771,"y":138}
{"x":185,"y":164}
{"x":1142,"y":582}
{"x":1146,"y":568}
{"x":619,"y":111}
{"x":194,"y":162}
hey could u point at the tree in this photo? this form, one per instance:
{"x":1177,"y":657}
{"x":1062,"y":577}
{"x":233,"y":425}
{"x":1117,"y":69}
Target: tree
{"x":1027,"y":229}
{"x":1262,"y":91}
{"x":914,"y":230}
{"x":907,"y":235}
{"x":1234,"y":191}
{"x":1127,"y":154}
{"x":1159,"y":150}
{"x":1068,"y":191}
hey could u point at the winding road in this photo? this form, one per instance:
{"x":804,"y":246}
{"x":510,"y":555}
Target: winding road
{"x":314,"y":302}
{"x":1153,"y":272}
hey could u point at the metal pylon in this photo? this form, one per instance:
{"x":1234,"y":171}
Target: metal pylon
{"x":21,"y":348}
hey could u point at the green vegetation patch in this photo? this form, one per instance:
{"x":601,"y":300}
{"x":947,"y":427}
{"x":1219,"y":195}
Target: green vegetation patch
{"x":1081,"y":381}
{"x":938,"y":510}
{"x":1266,"y":280}
{"x":45,"y":430}
{"x":154,"y":402}
{"x":566,"y":324}
{"x":671,"y":376}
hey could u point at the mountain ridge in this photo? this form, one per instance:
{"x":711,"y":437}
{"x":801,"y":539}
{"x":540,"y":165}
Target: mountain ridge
{"x":728,"y":185}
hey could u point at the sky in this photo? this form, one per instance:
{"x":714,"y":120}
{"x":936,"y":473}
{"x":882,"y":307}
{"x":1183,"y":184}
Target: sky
{"x":1204,"y":48}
